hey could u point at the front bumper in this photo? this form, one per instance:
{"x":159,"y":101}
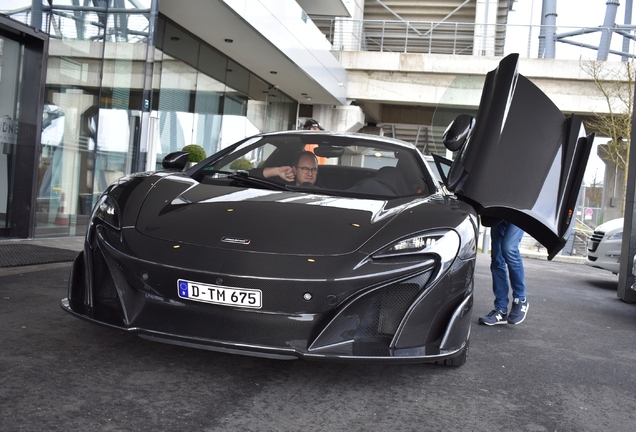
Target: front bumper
{"x":404,"y":317}
{"x":605,"y":255}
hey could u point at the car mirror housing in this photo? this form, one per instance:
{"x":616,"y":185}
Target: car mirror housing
{"x":176,"y":160}
{"x":328,"y":151}
{"x":458,"y":132}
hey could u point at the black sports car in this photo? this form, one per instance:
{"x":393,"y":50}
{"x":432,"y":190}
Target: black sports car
{"x":329,"y":246}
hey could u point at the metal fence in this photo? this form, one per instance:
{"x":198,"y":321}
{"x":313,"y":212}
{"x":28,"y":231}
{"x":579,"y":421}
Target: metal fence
{"x":474,"y":39}
{"x":412,"y":37}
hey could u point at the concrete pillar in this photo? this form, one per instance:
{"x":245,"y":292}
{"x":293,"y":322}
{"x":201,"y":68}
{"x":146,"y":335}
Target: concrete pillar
{"x":626,"y":280}
{"x":322,"y":114}
{"x":257,"y":113}
{"x":347,"y":118}
{"x":613,"y":188}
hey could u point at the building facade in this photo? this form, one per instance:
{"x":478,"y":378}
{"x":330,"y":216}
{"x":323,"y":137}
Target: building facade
{"x":119,"y":85}
{"x":91,"y":90}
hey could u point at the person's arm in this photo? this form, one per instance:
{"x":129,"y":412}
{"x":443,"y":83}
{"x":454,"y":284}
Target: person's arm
{"x":284,"y":172}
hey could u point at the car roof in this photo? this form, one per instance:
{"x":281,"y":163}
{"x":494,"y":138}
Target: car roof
{"x":354,"y":135}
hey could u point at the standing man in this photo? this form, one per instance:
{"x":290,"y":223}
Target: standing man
{"x":312,"y":124}
{"x":506,"y":264}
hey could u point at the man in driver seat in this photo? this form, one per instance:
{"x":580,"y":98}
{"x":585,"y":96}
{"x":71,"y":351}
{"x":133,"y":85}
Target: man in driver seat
{"x":303,"y":171}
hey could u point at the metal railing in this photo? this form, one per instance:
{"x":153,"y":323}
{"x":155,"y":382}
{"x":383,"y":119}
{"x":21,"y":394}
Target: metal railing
{"x":579,"y":238}
{"x":473,"y":39}
{"x":410,"y":37}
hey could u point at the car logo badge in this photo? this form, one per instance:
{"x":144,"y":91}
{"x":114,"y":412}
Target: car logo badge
{"x":235,"y":240}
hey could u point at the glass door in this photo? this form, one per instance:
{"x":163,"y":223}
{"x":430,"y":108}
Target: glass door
{"x":10,"y":56}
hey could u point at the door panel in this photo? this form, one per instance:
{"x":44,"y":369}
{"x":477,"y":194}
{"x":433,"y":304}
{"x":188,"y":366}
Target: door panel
{"x":525,"y":160}
{"x":10,"y":58}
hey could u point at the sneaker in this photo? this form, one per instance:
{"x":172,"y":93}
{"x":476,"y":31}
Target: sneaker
{"x":494,"y":317}
{"x":518,"y":312}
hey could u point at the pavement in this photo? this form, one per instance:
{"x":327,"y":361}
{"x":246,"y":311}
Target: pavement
{"x":568,"y":367}
{"x":23,"y":255}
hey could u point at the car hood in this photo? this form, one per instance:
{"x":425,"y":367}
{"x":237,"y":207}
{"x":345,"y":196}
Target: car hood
{"x":182,"y":210}
{"x":525,"y":160}
{"x":612,"y":225}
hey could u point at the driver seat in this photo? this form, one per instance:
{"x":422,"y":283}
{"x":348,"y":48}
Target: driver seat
{"x":393,"y":177}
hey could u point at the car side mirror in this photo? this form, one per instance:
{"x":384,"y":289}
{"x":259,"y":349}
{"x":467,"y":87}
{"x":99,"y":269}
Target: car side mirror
{"x":175,"y":160}
{"x":458,"y":132}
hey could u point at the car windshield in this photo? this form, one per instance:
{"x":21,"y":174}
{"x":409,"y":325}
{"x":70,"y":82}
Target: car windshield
{"x":351,"y":165}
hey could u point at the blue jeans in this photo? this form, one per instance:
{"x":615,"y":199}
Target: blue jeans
{"x":506,"y":263}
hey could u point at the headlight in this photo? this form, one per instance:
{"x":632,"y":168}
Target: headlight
{"x":444,"y":243}
{"x":108,"y":211}
{"x":413,"y":245}
{"x":616,"y":236}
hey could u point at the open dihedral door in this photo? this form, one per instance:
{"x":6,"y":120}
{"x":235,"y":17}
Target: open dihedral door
{"x":524,"y":160}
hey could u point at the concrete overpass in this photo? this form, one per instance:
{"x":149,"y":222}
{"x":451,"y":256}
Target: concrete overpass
{"x":398,"y":92}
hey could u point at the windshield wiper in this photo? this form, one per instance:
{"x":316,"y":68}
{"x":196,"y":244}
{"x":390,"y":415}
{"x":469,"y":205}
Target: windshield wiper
{"x":245,"y":178}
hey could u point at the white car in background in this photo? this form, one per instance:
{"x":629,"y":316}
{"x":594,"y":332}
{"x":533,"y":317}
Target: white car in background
{"x":604,"y":247}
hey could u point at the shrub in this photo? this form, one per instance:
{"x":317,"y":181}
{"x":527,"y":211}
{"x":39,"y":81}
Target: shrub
{"x":196,"y":152}
{"x":241,"y":164}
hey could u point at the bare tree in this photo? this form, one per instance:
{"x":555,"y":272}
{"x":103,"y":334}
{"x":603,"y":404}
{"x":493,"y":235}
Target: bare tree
{"x":616,"y":87}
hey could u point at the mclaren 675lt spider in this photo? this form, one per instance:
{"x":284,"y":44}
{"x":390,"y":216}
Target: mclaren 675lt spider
{"x":329,"y":246}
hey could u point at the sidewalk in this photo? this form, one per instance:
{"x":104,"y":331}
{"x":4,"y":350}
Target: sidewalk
{"x":543,"y":255}
{"x":20,"y":256}
{"x":69,"y":243}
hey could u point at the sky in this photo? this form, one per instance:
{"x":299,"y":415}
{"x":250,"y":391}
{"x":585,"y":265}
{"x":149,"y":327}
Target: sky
{"x":570,"y":13}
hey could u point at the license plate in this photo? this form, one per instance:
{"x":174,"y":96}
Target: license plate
{"x":220,"y":295}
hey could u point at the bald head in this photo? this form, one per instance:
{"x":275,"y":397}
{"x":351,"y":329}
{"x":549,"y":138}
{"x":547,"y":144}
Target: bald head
{"x":306,"y":168}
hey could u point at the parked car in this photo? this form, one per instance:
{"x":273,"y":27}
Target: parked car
{"x":604,"y":247}
{"x":372,"y":261}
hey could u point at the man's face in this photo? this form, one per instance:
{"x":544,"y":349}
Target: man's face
{"x":306,"y":170}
